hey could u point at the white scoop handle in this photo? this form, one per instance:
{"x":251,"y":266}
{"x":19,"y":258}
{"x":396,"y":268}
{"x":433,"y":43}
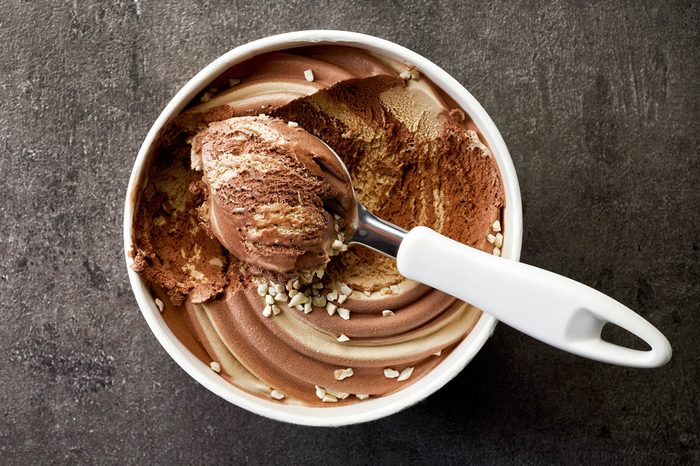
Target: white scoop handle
{"x":551,"y":308}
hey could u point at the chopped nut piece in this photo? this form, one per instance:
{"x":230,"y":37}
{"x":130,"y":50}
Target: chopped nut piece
{"x":343,"y":338}
{"x":342,"y":374}
{"x":391,"y":373}
{"x":282,"y":297}
{"x":345,"y":289}
{"x":296,"y":285}
{"x":361,"y":396}
{"x":320,"y":272}
{"x":276,"y":394}
{"x":387,"y":313}
{"x":320,"y":392}
{"x":307,"y":307}
{"x":233,"y":82}
{"x":159,"y":304}
{"x":206,"y":97}
{"x":329,"y":399}
{"x":490,"y":238}
{"x":337,"y":244}
{"x":344,"y":313}
{"x":331,"y":308}
{"x":395,"y":289}
{"x":293,"y":124}
{"x":342,"y":298}
{"x":415,"y":74}
{"x":496,"y":226}
{"x":299,"y":298}
{"x":405,"y":374}
{"x":438,"y":353}
{"x":367,"y":293}
{"x":215,"y":366}
{"x":317,"y":286}
{"x":496,"y":251}
{"x":386,"y":290}
{"x":332,"y":296}
{"x":269,"y":300}
{"x":279,"y":288}
{"x":309,"y":75}
{"x":293,"y":293}
{"x":499,"y":240}
{"x":405,"y":75}
{"x":339,"y":395}
{"x":319,"y":301}
{"x":267,"y":311}
{"x":276,"y":310}
{"x":216,"y":262}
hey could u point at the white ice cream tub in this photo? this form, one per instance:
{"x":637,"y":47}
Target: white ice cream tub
{"x":373,"y":408}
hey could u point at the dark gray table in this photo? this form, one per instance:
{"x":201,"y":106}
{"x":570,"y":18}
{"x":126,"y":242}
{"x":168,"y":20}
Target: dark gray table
{"x":600,"y":107}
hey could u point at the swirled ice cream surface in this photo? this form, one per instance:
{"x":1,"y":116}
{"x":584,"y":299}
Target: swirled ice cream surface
{"x":347,"y":327}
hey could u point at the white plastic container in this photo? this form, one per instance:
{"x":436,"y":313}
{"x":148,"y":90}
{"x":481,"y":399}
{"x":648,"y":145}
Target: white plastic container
{"x":373,"y":408}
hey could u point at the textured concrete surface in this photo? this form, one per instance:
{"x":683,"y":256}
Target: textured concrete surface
{"x":600,"y":107}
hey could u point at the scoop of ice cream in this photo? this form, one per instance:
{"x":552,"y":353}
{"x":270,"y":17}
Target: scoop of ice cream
{"x":277,"y":196}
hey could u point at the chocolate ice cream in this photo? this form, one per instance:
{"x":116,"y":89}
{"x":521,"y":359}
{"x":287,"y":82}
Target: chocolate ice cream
{"x":357,"y":329}
{"x":276,"y":195}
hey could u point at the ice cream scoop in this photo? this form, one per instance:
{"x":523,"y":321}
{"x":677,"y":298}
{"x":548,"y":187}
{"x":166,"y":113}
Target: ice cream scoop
{"x":549,"y":307}
{"x":276,"y":196}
